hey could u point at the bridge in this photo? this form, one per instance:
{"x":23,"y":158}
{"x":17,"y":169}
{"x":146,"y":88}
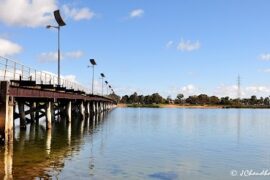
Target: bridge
{"x":30,"y":95}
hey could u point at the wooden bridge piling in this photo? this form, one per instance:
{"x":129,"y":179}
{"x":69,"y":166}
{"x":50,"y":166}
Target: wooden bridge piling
{"x":29,"y":104}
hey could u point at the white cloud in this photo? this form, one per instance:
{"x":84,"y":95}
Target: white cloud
{"x":70,"y":77}
{"x":78,"y":14}
{"x":257,"y":89}
{"x":265,"y":57}
{"x":169,"y":44}
{"x":188,"y":45}
{"x":187,"y":90}
{"x":127,"y":91}
{"x":48,"y":57}
{"x":136,"y":13}
{"x":53,"y":56}
{"x":9,"y":48}
{"x":74,"y":54}
{"x":266,"y":70}
{"x":27,"y":13}
{"x":227,"y":90}
{"x":245,"y":92}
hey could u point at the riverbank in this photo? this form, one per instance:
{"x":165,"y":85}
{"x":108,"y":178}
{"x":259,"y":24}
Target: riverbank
{"x":171,"y":106}
{"x":194,"y":106}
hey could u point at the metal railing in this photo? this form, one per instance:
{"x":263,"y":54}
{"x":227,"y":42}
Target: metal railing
{"x":12,"y":70}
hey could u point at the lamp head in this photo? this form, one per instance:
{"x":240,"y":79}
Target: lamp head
{"x":93,"y":62}
{"x":58,"y":18}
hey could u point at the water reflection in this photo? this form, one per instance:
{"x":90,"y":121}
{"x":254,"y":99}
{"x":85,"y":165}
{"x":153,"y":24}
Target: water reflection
{"x":142,"y":144}
{"x":238,"y":125}
{"x":8,"y":161}
{"x":37,"y":152}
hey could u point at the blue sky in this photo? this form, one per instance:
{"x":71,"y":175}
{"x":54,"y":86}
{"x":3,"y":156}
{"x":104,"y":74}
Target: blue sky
{"x":170,"y":47}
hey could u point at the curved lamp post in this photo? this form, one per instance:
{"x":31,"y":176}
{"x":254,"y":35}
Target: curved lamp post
{"x":60,"y":23}
{"x":93,"y":62}
{"x":102,"y":77}
{"x":106,"y":82}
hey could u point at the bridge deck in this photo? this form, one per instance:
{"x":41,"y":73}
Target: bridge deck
{"x":29,"y":89}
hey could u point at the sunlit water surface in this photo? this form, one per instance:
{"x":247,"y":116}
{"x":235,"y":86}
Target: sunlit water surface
{"x":143,"y":143}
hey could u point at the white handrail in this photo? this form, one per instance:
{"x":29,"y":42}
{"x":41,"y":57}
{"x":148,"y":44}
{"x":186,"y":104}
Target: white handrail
{"x":13,"y":70}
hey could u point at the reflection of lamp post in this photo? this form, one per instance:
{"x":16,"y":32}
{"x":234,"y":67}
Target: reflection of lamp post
{"x":93,"y":62}
{"x":106,"y":82}
{"x":102,"y":77}
{"x":60,"y":23}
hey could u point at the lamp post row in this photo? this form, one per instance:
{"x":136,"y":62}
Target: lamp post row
{"x":61,"y":23}
{"x":93,"y":63}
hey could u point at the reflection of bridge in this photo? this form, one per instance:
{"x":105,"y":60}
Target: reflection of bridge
{"x":40,"y":153}
{"x":29,"y":95}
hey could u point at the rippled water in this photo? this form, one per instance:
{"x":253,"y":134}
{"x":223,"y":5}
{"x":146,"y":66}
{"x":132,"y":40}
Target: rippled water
{"x":143,"y":143}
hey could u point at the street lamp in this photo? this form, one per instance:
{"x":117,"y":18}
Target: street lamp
{"x":102,"y":77}
{"x":106,"y":82}
{"x":110,"y":86}
{"x":60,"y":23}
{"x":93,"y":62}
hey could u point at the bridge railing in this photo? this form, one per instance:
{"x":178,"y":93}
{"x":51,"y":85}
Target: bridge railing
{"x":12,"y":70}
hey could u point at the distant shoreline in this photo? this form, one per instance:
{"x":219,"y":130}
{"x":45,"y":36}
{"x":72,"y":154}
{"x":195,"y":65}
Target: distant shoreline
{"x":172,"y":106}
{"x":193,"y":106}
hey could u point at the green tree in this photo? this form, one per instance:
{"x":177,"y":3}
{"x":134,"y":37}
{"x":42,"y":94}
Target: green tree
{"x":266,"y":101}
{"x":134,"y":98}
{"x":253,"y":100}
{"x":192,"y":100}
{"x":156,"y":98}
{"x":214,"y":100}
{"x":169,"y":100}
{"x":179,"y":98}
{"x":124,"y":99}
{"x":225,"y":100}
{"x":203,"y":99}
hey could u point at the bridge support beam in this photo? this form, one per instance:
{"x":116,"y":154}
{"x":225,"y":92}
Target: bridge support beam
{"x":82,"y":110}
{"x":32,"y":113}
{"x":49,"y":115}
{"x":68,"y":109}
{"x":99,"y":107}
{"x":88,"y":108}
{"x":6,"y":114}
{"x":22,"y":114}
{"x":53,"y":111}
{"x":95,"y":107}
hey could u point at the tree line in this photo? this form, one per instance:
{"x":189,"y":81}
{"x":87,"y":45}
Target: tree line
{"x":201,"y":99}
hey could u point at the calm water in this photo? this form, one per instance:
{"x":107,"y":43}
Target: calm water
{"x":143,"y":143}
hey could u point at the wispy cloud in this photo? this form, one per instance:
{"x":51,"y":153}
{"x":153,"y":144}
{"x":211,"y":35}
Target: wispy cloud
{"x":9,"y":48}
{"x":265,"y":70}
{"x":227,"y":90}
{"x":265,"y":57}
{"x":74,"y":54}
{"x":53,"y":56}
{"x":186,"y":90}
{"x":188,"y":45}
{"x":27,"y":13}
{"x":136,"y":13}
{"x":258,"y":89}
{"x":169,"y":44}
{"x":245,"y":92}
{"x":78,"y":14}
